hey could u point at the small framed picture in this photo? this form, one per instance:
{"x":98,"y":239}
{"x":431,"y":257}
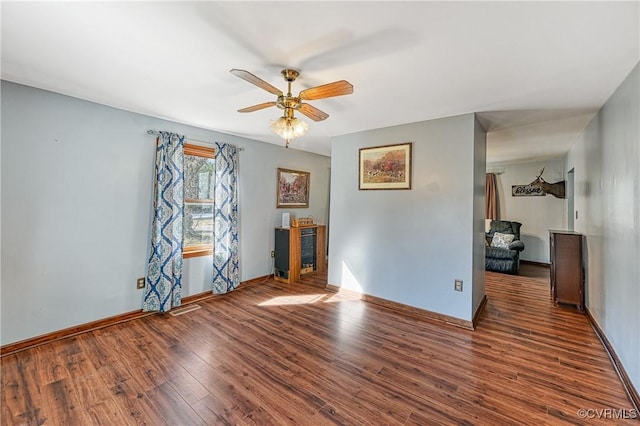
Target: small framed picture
{"x":385,"y":167}
{"x":293,"y":188}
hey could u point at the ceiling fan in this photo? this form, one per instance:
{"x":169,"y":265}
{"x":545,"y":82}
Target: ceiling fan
{"x":288,"y":126}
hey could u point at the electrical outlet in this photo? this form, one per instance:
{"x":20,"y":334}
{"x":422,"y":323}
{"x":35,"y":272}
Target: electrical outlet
{"x":140,"y":283}
{"x":457,"y":285}
{"x":273,"y":253}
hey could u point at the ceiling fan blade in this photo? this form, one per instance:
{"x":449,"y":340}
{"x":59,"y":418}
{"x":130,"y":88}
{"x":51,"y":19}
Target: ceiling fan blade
{"x":257,"y":107}
{"x":337,"y":88}
{"x":312,"y":112}
{"x":246,"y":75}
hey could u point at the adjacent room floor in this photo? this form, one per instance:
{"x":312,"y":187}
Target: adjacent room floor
{"x":280,"y":354}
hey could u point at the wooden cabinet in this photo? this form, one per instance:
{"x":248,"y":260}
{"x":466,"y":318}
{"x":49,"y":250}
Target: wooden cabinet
{"x":299,"y":251}
{"x":567,"y":270}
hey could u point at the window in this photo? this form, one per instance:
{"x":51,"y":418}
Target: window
{"x":199,"y":166}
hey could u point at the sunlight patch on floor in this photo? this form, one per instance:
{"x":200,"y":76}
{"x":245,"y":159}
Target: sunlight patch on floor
{"x":344,"y":296}
{"x":350,"y":288}
{"x":298,"y":299}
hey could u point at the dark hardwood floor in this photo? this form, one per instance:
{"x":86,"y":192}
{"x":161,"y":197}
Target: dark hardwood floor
{"x":295,"y":354}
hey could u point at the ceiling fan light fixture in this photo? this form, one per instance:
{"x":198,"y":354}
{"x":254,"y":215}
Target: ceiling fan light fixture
{"x":289,"y":128}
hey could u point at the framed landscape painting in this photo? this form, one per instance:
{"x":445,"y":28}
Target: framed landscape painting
{"x":385,"y":167}
{"x":293,"y":188}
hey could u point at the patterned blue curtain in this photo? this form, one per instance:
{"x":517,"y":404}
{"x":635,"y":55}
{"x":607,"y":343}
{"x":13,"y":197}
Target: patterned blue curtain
{"x":225,"y":230}
{"x":164,"y":270}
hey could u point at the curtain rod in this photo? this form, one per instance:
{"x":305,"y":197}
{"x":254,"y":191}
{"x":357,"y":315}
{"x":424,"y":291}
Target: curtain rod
{"x":157,"y":133}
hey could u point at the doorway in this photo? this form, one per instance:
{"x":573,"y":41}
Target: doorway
{"x":570,"y":202}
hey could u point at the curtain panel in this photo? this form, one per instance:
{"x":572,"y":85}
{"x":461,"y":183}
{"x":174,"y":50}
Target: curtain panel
{"x":164,"y":269}
{"x":491,"y":197}
{"x":226,"y":275}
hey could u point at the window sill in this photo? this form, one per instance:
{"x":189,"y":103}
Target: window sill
{"x":197,"y":252}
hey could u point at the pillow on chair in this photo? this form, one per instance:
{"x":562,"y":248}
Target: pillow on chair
{"x":502,"y":240}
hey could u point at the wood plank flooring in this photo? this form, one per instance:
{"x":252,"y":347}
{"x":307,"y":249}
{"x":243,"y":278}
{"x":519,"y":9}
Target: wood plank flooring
{"x":277,"y":354}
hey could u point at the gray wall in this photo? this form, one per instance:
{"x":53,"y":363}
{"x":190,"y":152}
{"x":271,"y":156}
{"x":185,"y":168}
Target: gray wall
{"x":537,"y":214}
{"x":76,"y":205}
{"x":479,"y":211}
{"x":606,"y":159}
{"x":408,"y":246}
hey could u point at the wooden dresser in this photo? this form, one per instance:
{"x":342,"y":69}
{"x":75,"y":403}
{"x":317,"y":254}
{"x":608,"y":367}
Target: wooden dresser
{"x":567,"y":268}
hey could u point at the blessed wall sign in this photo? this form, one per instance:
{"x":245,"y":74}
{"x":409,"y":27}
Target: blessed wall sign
{"x":526,"y":191}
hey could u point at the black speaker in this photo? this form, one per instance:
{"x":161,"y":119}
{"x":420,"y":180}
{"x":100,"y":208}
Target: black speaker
{"x":281,"y":261}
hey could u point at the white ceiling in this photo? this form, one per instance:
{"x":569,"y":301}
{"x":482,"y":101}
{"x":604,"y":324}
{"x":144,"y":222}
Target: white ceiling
{"x":537,"y":71}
